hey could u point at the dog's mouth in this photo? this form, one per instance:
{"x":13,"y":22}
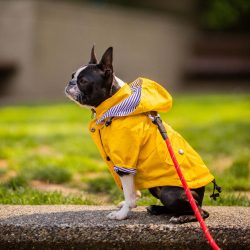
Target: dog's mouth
{"x":73,"y":92}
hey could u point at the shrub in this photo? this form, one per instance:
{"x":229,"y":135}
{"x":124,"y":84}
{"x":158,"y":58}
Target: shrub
{"x":101,"y":184}
{"x":51,"y":174}
{"x":16,"y":182}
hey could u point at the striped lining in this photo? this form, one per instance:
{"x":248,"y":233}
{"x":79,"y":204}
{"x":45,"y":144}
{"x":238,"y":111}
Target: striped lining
{"x":125,"y":170}
{"x":127,"y":106}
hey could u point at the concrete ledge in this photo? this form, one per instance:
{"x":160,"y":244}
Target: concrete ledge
{"x":86,"y":227}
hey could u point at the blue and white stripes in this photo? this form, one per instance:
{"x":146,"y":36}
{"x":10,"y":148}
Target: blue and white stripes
{"x":127,"y":106}
{"x":125,"y":170}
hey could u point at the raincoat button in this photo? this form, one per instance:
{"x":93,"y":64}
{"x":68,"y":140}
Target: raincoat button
{"x":108,"y":159}
{"x":181,"y":151}
{"x":92,"y":130}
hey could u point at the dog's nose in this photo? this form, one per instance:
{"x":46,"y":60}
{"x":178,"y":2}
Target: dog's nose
{"x":72,"y":89}
{"x":72,"y":82}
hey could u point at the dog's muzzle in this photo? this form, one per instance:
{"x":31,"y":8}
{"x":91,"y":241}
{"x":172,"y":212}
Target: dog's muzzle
{"x":72,"y":90}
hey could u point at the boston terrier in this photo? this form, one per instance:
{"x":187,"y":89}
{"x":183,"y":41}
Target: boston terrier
{"x":94,"y":85}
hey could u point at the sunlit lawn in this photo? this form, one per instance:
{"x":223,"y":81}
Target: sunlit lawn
{"x":44,"y":148}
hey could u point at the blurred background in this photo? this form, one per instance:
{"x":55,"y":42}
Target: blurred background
{"x":184,"y":45}
{"x":199,"y":50}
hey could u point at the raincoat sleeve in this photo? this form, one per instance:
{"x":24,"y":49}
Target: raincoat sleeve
{"x":124,"y":149}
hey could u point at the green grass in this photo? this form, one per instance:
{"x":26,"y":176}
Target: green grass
{"x":51,"y":143}
{"x":229,"y":199}
{"x":26,"y":196}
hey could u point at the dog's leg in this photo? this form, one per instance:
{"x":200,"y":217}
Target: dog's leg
{"x":157,"y":209}
{"x":175,"y":199}
{"x":138,"y":196}
{"x":130,"y":198}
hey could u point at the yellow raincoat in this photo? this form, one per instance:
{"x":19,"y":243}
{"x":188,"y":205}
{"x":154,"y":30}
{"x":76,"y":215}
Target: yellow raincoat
{"x":132,"y":143}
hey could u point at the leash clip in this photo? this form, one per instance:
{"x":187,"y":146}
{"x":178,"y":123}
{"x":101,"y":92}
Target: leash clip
{"x":153,"y":116}
{"x":156,"y":119}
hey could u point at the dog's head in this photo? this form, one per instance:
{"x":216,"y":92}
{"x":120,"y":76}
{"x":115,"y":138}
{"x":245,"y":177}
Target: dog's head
{"x":91,"y":84}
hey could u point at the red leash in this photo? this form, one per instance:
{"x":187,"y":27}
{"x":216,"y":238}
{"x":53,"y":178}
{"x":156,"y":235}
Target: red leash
{"x":156,"y":120}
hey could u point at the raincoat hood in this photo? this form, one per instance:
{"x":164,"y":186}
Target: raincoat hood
{"x":141,"y":96}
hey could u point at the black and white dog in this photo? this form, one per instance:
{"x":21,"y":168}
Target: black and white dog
{"x":91,"y":85}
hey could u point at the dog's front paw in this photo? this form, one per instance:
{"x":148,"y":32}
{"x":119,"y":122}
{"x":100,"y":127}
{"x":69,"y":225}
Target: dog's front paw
{"x":118,"y":215}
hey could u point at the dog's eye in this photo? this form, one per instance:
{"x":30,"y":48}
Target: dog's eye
{"x":82,"y":82}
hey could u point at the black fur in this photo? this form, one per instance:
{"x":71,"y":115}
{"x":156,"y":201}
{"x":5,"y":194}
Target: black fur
{"x":95,"y":82}
{"x":176,"y":204}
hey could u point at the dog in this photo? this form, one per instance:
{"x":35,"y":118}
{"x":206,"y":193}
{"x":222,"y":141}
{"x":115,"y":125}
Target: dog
{"x":130,"y":143}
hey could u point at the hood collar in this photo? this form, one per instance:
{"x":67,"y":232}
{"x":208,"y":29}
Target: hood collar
{"x":141,"y":96}
{"x":127,"y":106}
{"x":119,"y":96}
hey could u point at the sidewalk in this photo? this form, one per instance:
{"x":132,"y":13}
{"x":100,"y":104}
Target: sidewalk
{"x":86,"y":227}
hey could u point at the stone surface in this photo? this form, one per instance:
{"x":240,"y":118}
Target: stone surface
{"x":86,"y":227}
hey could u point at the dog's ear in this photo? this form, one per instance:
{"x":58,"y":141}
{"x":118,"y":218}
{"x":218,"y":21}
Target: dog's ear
{"x":106,"y":62}
{"x":93,"y":59}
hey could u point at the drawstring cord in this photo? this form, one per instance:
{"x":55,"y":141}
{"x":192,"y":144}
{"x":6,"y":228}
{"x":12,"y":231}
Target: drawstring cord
{"x":217,"y":188}
{"x":93,"y":113}
{"x":109,"y":121}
